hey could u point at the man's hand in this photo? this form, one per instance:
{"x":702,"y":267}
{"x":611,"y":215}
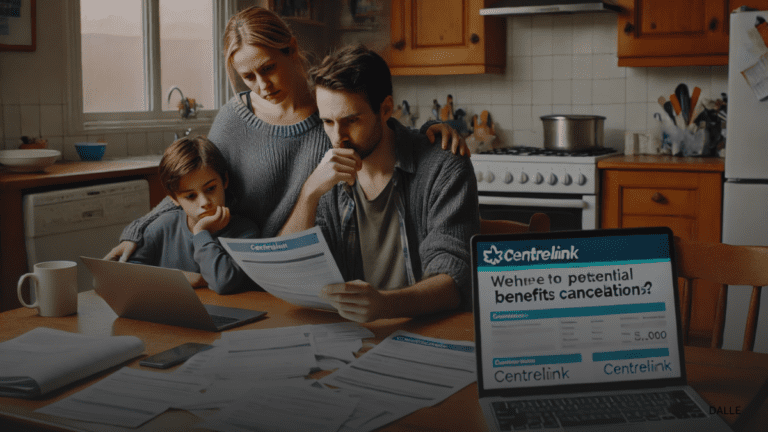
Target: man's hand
{"x":195,"y":279}
{"x":338,"y":165}
{"x":450,"y":136}
{"x":214,"y":222}
{"x":122,"y":252}
{"x":356,"y":300}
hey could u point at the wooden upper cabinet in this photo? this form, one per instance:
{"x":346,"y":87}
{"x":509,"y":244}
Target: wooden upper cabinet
{"x":676,"y":33}
{"x":445,"y":37}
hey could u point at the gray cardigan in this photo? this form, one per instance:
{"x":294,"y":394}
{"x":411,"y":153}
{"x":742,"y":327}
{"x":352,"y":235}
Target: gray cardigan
{"x":441,"y":212}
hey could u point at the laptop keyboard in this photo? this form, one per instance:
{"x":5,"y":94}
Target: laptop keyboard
{"x":539,"y":414}
{"x":219,"y":320}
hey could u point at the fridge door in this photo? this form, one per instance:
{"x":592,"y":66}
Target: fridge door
{"x":745,"y":222}
{"x":747,"y":128}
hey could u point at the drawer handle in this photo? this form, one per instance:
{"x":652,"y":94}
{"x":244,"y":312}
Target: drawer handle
{"x":658,"y":198}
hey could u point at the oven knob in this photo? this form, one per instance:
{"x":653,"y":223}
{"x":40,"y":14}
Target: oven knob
{"x":479,"y":175}
{"x":508,"y":178}
{"x":582,"y":180}
{"x":523,"y":178}
{"x":567,"y":179}
{"x":489,"y":177}
{"x":538,"y":179}
{"x":552,"y":179}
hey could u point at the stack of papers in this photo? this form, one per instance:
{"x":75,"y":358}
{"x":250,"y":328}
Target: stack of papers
{"x":255,"y":380}
{"x":28,"y":371}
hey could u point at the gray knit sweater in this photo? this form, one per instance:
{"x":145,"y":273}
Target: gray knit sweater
{"x":268,"y":166}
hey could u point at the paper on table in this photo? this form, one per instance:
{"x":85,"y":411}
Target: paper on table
{"x":128,"y":397}
{"x":293,"y":267}
{"x":266,"y":354}
{"x":336,"y":341}
{"x":285,"y":408}
{"x":28,"y":371}
{"x":409,"y":370}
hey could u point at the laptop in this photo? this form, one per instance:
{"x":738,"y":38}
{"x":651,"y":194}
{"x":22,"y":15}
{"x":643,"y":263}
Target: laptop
{"x":160,"y":295}
{"x":580,"y":331}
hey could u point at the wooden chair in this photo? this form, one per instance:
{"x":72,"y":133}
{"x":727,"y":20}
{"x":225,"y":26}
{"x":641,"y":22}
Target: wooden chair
{"x":539,"y":223}
{"x":722,"y":264}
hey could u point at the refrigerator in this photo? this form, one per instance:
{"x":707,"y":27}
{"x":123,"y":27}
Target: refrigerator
{"x":745,"y":192}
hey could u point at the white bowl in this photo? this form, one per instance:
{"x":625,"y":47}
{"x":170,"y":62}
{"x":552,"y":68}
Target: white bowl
{"x":31,"y":160}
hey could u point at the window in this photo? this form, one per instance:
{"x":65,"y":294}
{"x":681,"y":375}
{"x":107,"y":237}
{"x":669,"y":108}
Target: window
{"x":127,"y":55}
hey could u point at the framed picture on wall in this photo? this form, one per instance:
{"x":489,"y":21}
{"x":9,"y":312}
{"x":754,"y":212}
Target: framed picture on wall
{"x":17,"y":25}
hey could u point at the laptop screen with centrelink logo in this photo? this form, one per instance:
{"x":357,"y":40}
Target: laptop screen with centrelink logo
{"x":576,"y":311}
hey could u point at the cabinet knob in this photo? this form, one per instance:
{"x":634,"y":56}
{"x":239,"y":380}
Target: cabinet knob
{"x":658,"y":198}
{"x":629,"y":28}
{"x":399,"y":45}
{"x":474,"y":38}
{"x":713,"y":24}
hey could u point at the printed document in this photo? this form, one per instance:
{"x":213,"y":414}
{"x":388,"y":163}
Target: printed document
{"x":409,"y":370}
{"x":128,"y":397}
{"x":293,"y":267}
{"x":27,"y":369}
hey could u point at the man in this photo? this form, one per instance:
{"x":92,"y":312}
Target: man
{"x":397,"y":212}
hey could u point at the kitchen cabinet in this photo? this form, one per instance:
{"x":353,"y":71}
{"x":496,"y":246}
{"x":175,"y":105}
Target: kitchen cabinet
{"x":13,"y":187}
{"x":676,"y":33}
{"x":445,"y":37}
{"x":684,"y":194}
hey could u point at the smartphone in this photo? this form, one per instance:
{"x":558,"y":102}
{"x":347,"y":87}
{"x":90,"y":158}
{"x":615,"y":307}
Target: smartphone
{"x":174,"y":356}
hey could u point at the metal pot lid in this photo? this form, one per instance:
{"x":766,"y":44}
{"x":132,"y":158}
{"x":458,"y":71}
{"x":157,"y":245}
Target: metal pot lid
{"x":572,"y":117}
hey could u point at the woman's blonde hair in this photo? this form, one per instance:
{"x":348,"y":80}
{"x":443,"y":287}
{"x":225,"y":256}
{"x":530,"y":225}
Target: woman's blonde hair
{"x":257,"y":26}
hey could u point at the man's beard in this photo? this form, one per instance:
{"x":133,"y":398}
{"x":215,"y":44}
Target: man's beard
{"x":376,"y":137}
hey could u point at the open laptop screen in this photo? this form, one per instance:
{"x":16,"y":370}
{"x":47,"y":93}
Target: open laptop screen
{"x":578,"y":308}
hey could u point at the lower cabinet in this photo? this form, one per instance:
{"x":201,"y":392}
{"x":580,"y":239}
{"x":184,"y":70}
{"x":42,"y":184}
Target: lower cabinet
{"x":684,"y":194}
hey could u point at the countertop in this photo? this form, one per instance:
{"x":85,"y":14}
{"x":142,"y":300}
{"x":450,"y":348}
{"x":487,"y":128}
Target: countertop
{"x":62,"y":174}
{"x":663,"y":162}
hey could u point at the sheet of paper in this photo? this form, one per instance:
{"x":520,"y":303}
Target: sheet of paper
{"x":265,"y":354}
{"x":128,"y":397}
{"x":757,"y":77}
{"x":337,"y":341}
{"x":293,"y":267}
{"x":273,"y":409}
{"x":409,"y":370}
{"x":224,"y":393}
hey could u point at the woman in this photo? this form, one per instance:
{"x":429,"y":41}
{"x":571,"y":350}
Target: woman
{"x":271,"y":135}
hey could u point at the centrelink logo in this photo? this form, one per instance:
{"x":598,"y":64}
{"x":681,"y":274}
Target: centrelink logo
{"x":493,"y":255}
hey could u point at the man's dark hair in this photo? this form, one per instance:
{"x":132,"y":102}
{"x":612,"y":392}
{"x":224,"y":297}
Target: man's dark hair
{"x":355,"y":69}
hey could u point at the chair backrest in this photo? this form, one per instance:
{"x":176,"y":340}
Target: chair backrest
{"x":539,"y":223}
{"x":722,"y":264}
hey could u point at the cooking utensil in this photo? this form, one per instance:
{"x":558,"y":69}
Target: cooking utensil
{"x":678,"y":109}
{"x":684,"y":98}
{"x":573,"y":132}
{"x":669,"y":109}
{"x":694,"y":103}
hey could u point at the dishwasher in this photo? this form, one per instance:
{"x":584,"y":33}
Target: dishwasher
{"x":87,"y":221}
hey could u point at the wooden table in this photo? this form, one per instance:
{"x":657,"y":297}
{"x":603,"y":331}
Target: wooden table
{"x":725,"y":379}
{"x":13,"y":186}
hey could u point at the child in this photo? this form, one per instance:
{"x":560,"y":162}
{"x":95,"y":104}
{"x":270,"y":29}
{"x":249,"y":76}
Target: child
{"x":194,"y":175}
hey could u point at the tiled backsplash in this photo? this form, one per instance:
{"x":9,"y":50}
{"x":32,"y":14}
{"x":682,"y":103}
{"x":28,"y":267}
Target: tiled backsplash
{"x":556,"y":64}
{"x":560,"y":64}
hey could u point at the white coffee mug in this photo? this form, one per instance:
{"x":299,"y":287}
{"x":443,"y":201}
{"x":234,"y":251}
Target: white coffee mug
{"x":55,"y":288}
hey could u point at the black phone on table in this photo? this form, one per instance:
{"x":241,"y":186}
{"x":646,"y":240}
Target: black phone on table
{"x":175,"y":355}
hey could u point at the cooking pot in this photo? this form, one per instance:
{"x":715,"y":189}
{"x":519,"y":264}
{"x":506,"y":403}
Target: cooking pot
{"x":573,"y":132}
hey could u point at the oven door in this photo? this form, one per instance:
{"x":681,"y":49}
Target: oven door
{"x":566,"y":212}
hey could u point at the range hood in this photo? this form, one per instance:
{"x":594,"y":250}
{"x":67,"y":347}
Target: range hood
{"x":527,"y":7}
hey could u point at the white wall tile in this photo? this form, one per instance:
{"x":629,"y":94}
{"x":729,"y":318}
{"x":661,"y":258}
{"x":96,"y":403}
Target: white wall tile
{"x":605,"y":66}
{"x":536,"y":112}
{"x":562,"y":67}
{"x":522,"y":69}
{"x":56,"y":143}
{"x":637,"y":117}
{"x":561,"y":92}
{"x":583,"y":26}
{"x":521,"y":118}
{"x":522,"y":39}
{"x":581,"y":92}
{"x":522,"y":92}
{"x":637,"y":85}
{"x":30,"y":120}
{"x":562,"y":35}
{"x":501,"y":117}
{"x":609,"y":91}
{"x":501,"y":92}
{"x":541,"y":34}
{"x":582,"y":67}
{"x":541,"y":93}
{"x":51,"y":120}
{"x":604,"y":34}
{"x":582,"y":109}
{"x":562,"y":109}
{"x":70,"y":153}
{"x":117,"y":146}
{"x":542,"y":68}
{"x":156,"y":143}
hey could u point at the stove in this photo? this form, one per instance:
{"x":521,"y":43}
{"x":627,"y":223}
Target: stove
{"x":516,"y":182}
